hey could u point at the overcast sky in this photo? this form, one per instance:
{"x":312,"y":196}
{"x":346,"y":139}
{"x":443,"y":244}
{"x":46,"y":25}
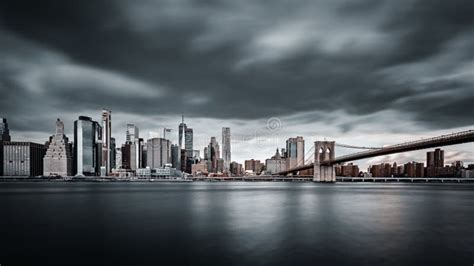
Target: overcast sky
{"x":368,"y":72}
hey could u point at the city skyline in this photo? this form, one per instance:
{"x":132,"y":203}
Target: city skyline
{"x":452,"y":155}
{"x":366,"y":73}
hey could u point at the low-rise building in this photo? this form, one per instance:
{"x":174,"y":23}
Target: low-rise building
{"x":23,"y":158}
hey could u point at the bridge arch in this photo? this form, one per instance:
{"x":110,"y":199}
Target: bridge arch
{"x":326,"y":152}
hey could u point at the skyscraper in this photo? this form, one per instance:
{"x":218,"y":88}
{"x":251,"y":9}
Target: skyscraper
{"x":175,"y":153}
{"x":132,"y":133}
{"x":212,"y":155}
{"x":181,"y":129}
{"x":226,"y":148}
{"x":4,"y":131}
{"x":106,"y":139}
{"x":439,"y":158}
{"x":295,"y":152}
{"x":58,"y":158}
{"x":87,"y":146}
{"x":158,"y":152}
{"x":188,"y":141}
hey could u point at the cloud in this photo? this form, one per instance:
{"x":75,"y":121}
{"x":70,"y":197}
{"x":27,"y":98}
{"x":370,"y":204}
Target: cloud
{"x":338,"y":67}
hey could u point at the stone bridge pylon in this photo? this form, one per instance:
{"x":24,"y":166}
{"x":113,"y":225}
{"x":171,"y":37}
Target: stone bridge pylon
{"x":324,"y":151}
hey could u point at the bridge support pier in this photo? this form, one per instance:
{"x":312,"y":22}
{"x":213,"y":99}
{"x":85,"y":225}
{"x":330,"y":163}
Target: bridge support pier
{"x":323,"y":151}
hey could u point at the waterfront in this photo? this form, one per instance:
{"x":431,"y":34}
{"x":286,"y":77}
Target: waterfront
{"x":236,"y":223}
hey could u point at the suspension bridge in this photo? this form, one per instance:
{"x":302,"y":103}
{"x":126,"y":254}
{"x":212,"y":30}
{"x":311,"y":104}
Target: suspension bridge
{"x":323,"y":161}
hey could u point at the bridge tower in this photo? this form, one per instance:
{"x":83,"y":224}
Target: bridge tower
{"x":324,"y":151}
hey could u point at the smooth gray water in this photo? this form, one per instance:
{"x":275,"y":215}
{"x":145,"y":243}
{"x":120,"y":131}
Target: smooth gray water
{"x":236,"y":224}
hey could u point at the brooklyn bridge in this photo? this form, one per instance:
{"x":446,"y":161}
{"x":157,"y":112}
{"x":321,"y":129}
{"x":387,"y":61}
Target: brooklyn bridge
{"x":324,"y":157}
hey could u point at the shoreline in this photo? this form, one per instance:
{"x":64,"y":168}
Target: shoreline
{"x":439,"y":180}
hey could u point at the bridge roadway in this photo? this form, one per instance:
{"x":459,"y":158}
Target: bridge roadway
{"x":443,"y":140}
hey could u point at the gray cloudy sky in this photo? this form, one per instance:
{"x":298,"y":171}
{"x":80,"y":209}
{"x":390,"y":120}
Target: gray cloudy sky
{"x":367,"y":72}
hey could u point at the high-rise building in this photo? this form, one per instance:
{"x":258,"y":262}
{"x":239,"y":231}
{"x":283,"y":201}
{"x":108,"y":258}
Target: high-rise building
{"x":430,"y":159}
{"x":434,"y":163}
{"x":136,"y":154}
{"x":106,"y":139}
{"x":118,"y":158}
{"x":181,"y":129}
{"x":126,"y":155}
{"x":113,"y":147}
{"x":295,"y":152}
{"x":226,"y":155}
{"x":58,"y":160}
{"x":4,"y":131}
{"x":188,"y":141}
{"x":87,"y":146}
{"x":144,"y":154}
{"x":132,"y":133}
{"x":439,"y":158}
{"x":158,"y":152}
{"x":23,"y":158}
{"x":212,"y":155}
{"x":175,"y":153}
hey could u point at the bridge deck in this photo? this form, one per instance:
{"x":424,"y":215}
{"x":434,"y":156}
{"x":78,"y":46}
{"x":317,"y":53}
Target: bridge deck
{"x":443,"y":140}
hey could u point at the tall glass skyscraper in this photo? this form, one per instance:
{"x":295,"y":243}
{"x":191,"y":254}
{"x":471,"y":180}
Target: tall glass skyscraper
{"x":226,"y":148}
{"x":87,"y":146}
{"x":106,"y":139}
{"x":295,"y":152}
{"x":132,"y":133}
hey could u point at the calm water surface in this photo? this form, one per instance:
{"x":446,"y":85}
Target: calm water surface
{"x":236,"y":224}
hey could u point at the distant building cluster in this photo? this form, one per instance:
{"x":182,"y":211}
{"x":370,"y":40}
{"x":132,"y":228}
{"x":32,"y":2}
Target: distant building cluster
{"x":435,"y":167}
{"x":93,"y":152}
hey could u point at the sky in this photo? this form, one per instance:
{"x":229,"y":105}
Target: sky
{"x":365,"y":73}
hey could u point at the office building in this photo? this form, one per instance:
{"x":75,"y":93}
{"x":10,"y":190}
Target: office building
{"x":158,"y":152}
{"x":118,"y":158}
{"x":106,"y":140}
{"x":236,"y":169}
{"x":254,"y":166}
{"x":435,"y":163}
{"x":113,"y":147}
{"x":87,"y":146}
{"x":23,"y":158}
{"x":226,"y":153}
{"x":175,"y":153}
{"x":212,"y":155}
{"x":58,"y":160}
{"x":275,"y":164}
{"x":126,"y":158}
{"x":131,"y":133}
{"x":295,"y":152}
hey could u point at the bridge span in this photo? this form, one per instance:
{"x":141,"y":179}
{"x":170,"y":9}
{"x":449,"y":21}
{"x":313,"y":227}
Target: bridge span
{"x":325,"y":155}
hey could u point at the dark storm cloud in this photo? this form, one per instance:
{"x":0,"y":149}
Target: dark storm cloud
{"x":240,"y":59}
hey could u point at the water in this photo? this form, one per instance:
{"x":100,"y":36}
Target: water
{"x":236,"y":224}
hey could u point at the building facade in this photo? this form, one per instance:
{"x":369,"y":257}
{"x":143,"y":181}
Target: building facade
{"x":158,"y":152}
{"x":226,"y":149}
{"x":295,"y":152}
{"x":175,"y":154}
{"x":23,"y":158}
{"x":132,"y":133}
{"x":58,"y":160}
{"x":87,"y":146}
{"x":106,"y":139}
{"x":253,"y":165}
{"x":275,"y":164}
